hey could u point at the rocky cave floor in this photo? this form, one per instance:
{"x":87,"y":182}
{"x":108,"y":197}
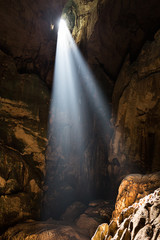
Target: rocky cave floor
{"x":136,"y":216}
{"x":78,"y":222}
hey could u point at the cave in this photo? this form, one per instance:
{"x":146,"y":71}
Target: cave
{"x":79,"y":119}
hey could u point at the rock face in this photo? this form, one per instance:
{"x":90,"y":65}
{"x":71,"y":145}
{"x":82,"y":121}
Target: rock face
{"x":27,"y":49}
{"x":135,"y":142}
{"x":133,"y":188}
{"x":139,"y":221}
{"x":109,"y":30}
{"x":23,"y":128}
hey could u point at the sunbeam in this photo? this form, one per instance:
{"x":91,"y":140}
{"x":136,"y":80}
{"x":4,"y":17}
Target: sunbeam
{"x":76,"y":102}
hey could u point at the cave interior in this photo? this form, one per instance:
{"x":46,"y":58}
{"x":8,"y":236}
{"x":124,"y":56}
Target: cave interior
{"x":79,"y":119}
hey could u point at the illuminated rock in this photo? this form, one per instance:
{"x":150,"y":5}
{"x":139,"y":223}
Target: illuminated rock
{"x":136,"y":224}
{"x":131,"y":190}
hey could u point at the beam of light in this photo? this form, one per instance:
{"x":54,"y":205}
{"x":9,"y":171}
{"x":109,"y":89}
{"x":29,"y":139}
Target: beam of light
{"x":76,"y":100}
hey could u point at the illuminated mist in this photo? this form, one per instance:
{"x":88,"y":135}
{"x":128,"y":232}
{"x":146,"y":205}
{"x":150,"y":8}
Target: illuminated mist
{"x":76,"y":102}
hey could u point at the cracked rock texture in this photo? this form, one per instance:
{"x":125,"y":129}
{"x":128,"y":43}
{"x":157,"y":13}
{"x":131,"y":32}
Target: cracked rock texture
{"x":139,"y":221}
{"x":24,"y":104}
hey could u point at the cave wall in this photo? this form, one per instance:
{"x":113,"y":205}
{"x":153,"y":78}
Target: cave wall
{"x":27,"y":48}
{"x":24,"y":104}
{"x":113,"y":37}
{"x":135,"y":141}
{"x":109,"y":30}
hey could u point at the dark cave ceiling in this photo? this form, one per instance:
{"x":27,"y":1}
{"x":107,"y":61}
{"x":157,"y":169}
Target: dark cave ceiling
{"x":106,"y":32}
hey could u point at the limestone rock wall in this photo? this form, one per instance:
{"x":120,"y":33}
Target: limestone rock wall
{"x":135,"y":142}
{"x":24,"y":102}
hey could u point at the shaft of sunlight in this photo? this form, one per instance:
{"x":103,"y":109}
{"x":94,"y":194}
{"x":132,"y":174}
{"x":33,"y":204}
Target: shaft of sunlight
{"x":76,"y":99}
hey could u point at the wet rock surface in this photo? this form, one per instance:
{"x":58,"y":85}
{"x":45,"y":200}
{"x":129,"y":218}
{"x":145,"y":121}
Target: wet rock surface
{"x":134,"y":222}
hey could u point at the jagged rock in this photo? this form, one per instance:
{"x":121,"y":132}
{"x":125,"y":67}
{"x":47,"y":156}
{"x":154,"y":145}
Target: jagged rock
{"x":131,"y":190}
{"x":112,"y":228}
{"x":101,"y":231}
{"x":137,"y":225}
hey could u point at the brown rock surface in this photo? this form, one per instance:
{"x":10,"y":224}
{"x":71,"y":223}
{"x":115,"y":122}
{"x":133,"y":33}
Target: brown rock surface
{"x":132,"y":189}
{"x":138,"y":224}
{"x":135,"y":141}
{"x":81,"y":228}
{"x":108,"y":30}
{"x":43,"y":231}
{"x":24,"y":103}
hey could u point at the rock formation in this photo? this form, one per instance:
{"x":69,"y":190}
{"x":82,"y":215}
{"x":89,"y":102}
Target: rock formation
{"x":139,"y":221}
{"x":134,"y":220}
{"x":133,"y":188}
{"x":24,"y":102}
{"x":79,"y":222}
{"x":134,"y":143}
